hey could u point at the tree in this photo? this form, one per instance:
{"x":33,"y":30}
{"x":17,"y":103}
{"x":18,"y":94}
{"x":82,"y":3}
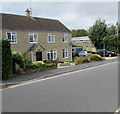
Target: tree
{"x":79,"y":33}
{"x":111,"y":39}
{"x":97,"y":32}
{"x":111,"y":42}
{"x":6,"y":59}
{"x":111,"y":30}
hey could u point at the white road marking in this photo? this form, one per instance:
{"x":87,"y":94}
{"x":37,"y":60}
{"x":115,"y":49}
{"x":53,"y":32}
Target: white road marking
{"x":117,"y":111}
{"x":34,"y":81}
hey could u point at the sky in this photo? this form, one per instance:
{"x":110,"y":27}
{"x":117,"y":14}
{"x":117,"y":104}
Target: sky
{"x":74,"y":15}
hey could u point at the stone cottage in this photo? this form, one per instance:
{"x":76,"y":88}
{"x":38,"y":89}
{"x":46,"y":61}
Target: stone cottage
{"x":37,"y":38}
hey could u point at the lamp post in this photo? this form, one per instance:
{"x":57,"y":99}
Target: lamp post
{"x":104,"y":48}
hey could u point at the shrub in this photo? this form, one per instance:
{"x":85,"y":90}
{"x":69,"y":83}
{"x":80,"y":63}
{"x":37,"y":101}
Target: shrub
{"x":81,"y":60}
{"x":94,"y":57}
{"x":27,"y":64}
{"x":17,"y":58}
{"x":75,"y":58}
{"x":38,"y":64}
{"x":68,"y":61}
{"x":50,"y":61}
{"x":6,"y":58}
{"x":21,"y":61}
{"x":50,"y":65}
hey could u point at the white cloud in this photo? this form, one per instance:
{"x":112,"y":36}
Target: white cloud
{"x":60,"y":0}
{"x":73,"y":15}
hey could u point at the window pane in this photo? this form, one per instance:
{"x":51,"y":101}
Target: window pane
{"x":9,"y":36}
{"x":48,"y":55}
{"x":31,"y":37}
{"x":55,"y":54}
{"x":65,"y":38}
{"x":50,"y":38}
{"x":66,"y":54}
{"x":12,"y":40}
{"x":35,"y":37}
{"x":63,"y":54}
{"x":51,"y":55}
{"x":12,"y":37}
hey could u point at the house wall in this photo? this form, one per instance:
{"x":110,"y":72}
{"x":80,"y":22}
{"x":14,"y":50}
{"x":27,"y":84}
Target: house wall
{"x":23,"y":43}
{"x":86,"y":45}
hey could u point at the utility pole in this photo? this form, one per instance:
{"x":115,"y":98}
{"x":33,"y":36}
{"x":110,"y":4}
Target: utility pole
{"x":104,"y":49}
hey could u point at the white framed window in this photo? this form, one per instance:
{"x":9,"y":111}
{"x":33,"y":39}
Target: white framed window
{"x":65,"y":53}
{"x":65,"y":38}
{"x":51,"y":38}
{"x":33,"y":37}
{"x":12,"y":36}
{"x":52,"y":54}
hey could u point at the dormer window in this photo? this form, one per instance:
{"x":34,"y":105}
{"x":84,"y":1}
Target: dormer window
{"x":33,"y":37}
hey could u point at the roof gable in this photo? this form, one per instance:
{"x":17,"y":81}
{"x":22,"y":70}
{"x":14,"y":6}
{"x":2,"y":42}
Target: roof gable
{"x":17,"y":22}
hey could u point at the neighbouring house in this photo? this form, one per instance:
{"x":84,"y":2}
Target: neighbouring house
{"x":38,"y":39}
{"x":84,"y":42}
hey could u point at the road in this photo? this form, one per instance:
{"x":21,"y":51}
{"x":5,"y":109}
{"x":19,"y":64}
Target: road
{"x":89,"y":90}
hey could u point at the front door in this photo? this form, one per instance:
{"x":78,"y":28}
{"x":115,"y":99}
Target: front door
{"x":38,"y":56}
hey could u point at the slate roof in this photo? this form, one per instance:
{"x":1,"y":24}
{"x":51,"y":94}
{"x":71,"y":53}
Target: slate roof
{"x":19,"y":22}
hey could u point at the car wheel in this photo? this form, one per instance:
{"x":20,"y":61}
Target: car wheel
{"x":110,"y":55}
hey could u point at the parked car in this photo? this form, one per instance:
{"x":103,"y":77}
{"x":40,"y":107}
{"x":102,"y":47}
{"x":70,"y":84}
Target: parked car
{"x":104,"y":52}
{"x":84,"y":53}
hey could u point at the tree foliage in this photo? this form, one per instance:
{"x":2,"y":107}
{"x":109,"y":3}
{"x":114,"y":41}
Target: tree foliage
{"x":111,"y":42}
{"x":111,"y":30}
{"x":79,"y":33}
{"x":101,"y":33}
{"x":97,"y":32}
{"x":6,"y":59}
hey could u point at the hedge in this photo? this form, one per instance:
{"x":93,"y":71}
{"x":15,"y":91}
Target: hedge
{"x":6,"y":59}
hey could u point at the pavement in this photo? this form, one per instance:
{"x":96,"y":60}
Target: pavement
{"x":22,"y":78}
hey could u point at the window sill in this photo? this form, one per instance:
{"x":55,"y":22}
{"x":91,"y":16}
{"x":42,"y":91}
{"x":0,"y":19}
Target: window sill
{"x":33,"y":42}
{"x":51,"y":42}
{"x":13,"y":42}
{"x":66,"y":58}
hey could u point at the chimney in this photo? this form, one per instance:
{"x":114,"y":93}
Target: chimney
{"x":28,"y":12}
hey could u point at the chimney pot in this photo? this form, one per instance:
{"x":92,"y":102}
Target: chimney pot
{"x":28,"y":12}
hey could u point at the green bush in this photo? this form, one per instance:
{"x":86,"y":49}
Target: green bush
{"x":50,"y":65}
{"x":94,"y":57}
{"x":17,"y":58}
{"x":50,"y":61}
{"x":68,"y":61}
{"x":27,"y":64}
{"x":6,"y":59}
{"x":75,"y":58}
{"x":81,"y":60}
{"x":21,"y":61}
{"x":38,"y":64}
